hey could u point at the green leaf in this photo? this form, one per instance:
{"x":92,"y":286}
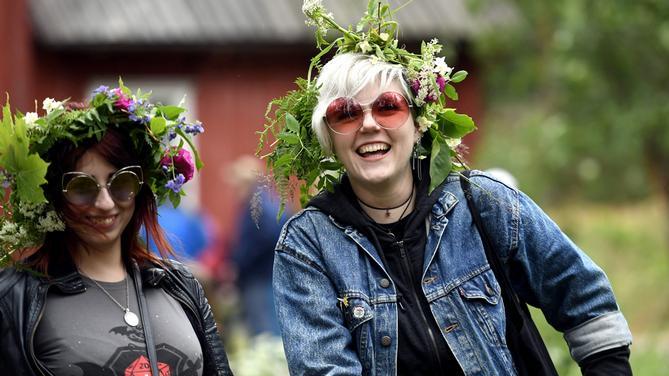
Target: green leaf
{"x":450,"y":92}
{"x":455,"y":125}
{"x":158,"y":125}
{"x":292,"y":124}
{"x":30,"y":178}
{"x":171,"y":112}
{"x":440,"y":163}
{"x":459,"y":76}
{"x":289,"y":138}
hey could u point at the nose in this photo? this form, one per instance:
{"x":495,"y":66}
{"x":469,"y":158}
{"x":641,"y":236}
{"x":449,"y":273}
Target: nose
{"x":104,"y":200}
{"x":368,"y":121}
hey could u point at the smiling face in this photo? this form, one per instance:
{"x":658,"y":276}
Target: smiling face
{"x":101,"y":224}
{"x":374,"y":156}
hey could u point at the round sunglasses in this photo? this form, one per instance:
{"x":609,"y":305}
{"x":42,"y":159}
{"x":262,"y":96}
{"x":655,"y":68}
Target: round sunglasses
{"x":345,"y":115}
{"x":82,"y":189}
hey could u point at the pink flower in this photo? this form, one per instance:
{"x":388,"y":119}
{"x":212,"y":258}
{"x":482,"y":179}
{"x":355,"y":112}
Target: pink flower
{"x":182,"y":162}
{"x":123,"y":102}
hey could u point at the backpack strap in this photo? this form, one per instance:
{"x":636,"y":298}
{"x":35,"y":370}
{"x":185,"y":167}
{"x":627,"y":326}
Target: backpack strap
{"x":523,"y":338}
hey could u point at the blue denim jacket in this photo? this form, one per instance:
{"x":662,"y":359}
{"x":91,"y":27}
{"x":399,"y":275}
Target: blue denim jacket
{"x":337,"y":304}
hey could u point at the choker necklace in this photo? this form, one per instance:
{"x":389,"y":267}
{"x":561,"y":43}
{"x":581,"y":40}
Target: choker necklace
{"x":129,"y":317}
{"x":405,"y":202}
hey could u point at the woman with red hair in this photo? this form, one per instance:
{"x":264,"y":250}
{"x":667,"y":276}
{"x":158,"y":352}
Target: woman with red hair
{"x":90,"y":298}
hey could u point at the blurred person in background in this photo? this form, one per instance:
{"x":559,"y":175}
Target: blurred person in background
{"x":92,"y":299}
{"x":385,"y":273}
{"x":252,"y":246}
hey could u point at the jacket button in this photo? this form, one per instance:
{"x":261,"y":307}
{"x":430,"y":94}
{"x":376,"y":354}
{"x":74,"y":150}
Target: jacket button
{"x":359,"y":312}
{"x":384,"y":282}
{"x":385,"y":341}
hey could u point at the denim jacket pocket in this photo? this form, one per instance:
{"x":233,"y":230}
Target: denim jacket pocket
{"x":482,"y":297}
{"x":357,"y":311}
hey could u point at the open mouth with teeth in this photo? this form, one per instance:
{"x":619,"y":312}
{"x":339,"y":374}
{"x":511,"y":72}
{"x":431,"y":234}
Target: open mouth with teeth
{"x":101,"y":221}
{"x":373,"y":150}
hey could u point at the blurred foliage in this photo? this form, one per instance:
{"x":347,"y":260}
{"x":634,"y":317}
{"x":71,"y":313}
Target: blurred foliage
{"x":627,"y":242}
{"x":579,"y":92}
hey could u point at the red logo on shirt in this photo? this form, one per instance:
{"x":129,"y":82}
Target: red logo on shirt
{"x":142,"y":367}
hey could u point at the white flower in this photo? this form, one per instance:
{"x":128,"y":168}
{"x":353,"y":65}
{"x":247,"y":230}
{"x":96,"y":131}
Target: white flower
{"x":384,"y":36}
{"x":311,"y":6}
{"x":51,"y":222}
{"x":423,"y":124}
{"x":364,"y":46}
{"x":441,"y":67}
{"x":453,"y":142}
{"x":30,"y":118}
{"x":50,"y":105}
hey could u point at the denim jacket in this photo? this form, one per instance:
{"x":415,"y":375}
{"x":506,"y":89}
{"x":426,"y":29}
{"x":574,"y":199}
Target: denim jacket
{"x":337,"y":304}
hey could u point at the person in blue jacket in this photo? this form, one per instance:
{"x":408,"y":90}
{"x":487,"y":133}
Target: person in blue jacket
{"x":385,"y":273}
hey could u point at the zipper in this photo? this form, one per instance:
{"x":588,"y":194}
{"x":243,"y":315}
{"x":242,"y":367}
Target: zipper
{"x":32,"y":334}
{"x":407,"y":267}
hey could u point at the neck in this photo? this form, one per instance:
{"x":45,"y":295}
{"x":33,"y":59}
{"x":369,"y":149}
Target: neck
{"x":386,"y":203}
{"x":104,"y":266}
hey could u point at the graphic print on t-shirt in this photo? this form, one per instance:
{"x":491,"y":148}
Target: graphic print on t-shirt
{"x":132,"y":358}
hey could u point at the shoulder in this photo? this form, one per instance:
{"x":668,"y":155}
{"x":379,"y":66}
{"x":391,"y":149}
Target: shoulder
{"x":487,"y":191}
{"x":305,"y":223}
{"x":178,"y":268}
{"x":12,"y":280}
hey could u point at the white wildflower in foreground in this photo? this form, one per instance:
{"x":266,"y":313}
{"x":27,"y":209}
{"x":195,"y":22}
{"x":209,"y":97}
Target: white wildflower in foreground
{"x":311,"y":6}
{"x":441,"y":67}
{"x":423,"y":124}
{"x":364,"y":46}
{"x":49,"y":105}
{"x":30,"y":118}
{"x":453,"y":142}
{"x":50,"y":222}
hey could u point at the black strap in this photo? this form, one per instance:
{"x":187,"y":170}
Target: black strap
{"x":145,"y":319}
{"x":525,"y":343}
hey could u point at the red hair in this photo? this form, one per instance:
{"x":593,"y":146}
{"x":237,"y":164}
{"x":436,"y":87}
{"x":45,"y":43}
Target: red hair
{"x":117,"y":148}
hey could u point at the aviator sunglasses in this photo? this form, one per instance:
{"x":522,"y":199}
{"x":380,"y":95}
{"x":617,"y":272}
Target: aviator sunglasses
{"x":82,"y":189}
{"x":345,"y":115}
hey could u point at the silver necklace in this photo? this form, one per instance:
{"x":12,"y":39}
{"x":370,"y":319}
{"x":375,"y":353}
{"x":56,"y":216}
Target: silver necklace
{"x":129,"y":317}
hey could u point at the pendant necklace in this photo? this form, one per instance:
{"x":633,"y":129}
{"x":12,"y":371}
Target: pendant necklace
{"x":129,"y":317}
{"x":405,"y":202}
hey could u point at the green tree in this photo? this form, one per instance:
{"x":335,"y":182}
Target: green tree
{"x":581,"y":90}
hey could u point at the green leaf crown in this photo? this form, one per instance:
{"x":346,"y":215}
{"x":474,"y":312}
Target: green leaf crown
{"x":293,"y":147}
{"x":159,"y":131}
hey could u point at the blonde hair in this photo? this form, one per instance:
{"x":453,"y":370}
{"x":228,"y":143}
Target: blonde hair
{"x":345,"y":76}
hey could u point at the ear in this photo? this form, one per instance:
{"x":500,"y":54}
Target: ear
{"x":416,"y":135}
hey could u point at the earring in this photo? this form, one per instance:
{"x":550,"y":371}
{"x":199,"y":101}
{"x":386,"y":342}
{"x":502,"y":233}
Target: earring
{"x":415,"y":160}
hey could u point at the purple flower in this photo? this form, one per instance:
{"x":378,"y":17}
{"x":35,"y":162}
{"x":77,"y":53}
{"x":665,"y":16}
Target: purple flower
{"x":195,"y":128}
{"x":415,"y":86}
{"x":123,"y":102}
{"x":176,"y":183}
{"x":182,"y":163}
{"x":101,"y":89}
{"x":441,"y":81}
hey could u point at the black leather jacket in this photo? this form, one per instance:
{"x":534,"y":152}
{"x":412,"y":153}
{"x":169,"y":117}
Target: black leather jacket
{"x":23,"y":296}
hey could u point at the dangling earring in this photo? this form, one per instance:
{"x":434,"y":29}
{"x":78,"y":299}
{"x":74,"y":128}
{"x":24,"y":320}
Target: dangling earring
{"x":415,"y":160}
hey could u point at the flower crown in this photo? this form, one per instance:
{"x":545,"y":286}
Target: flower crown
{"x":295,"y":150}
{"x":25,"y":140}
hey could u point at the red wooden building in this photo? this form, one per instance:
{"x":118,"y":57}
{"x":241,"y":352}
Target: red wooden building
{"x":230,"y":57}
